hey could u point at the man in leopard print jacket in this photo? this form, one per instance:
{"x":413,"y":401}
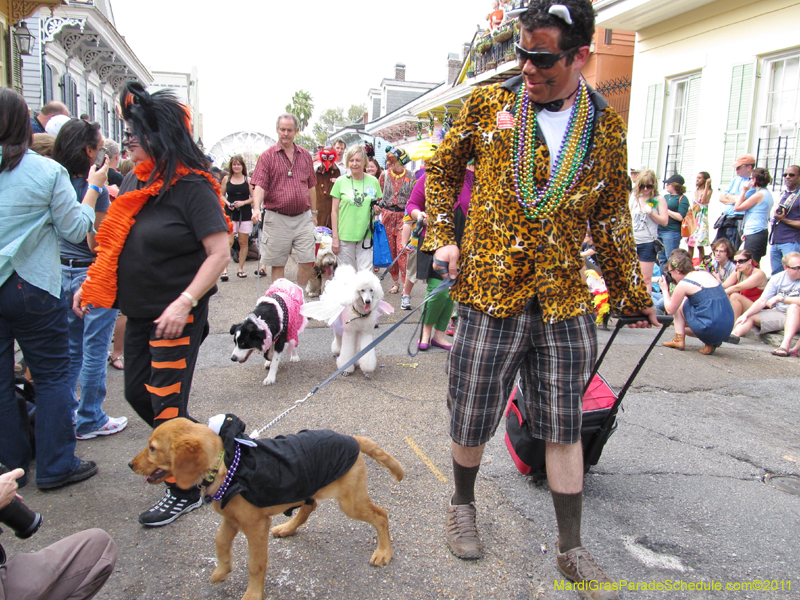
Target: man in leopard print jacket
{"x":522,"y":303}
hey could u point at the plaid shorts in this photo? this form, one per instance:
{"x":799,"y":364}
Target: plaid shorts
{"x":555,"y":361}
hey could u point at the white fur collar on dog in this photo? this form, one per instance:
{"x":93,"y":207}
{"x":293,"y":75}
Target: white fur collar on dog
{"x":262,"y":325}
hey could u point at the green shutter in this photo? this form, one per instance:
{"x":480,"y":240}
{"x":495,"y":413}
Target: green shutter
{"x":740,"y":108}
{"x":652,"y":125}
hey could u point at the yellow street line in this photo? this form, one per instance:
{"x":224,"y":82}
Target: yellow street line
{"x":437,"y":473}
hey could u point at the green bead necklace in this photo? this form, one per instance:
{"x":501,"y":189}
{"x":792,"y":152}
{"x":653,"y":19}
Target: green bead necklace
{"x":537,"y":202}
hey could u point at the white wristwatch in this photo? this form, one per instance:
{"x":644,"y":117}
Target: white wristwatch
{"x":191,"y":298}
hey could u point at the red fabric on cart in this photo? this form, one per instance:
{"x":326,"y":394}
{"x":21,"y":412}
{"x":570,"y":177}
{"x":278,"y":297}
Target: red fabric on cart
{"x":599,"y":395}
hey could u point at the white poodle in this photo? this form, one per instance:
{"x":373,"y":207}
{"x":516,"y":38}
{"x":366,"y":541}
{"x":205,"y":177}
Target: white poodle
{"x":350,"y":305}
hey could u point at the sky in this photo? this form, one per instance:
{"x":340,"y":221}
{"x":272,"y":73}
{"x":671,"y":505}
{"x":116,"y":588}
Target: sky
{"x":252,"y":55}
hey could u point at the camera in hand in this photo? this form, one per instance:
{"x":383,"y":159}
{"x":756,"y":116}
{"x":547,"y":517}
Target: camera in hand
{"x":19,"y":517}
{"x":668,"y":278}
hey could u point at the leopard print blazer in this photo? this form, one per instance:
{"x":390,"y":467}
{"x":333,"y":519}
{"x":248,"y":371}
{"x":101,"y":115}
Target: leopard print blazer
{"x":507,"y":259}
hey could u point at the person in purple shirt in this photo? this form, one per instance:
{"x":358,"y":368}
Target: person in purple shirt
{"x":437,"y":312}
{"x":785,"y":233}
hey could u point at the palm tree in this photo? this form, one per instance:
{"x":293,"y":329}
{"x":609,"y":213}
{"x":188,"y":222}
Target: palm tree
{"x":301,"y":106}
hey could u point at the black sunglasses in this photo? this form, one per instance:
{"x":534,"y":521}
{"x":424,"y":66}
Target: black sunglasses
{"x":797,"y":268}
{"x":648,"y":187}
{"x":741,"y":261}
{"x":790,"y":174}
{"x":540,"y":60}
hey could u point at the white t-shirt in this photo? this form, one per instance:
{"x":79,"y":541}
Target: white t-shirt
{"x":781,"y":285}
{"x":554,"y":126}
{"x":645,"y":230}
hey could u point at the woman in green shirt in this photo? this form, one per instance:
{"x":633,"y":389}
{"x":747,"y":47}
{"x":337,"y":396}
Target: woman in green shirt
{"x":677,"y":207}
{"x":353,"y":204}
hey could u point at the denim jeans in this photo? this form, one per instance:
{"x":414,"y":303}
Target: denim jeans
{"x":671,"y":240}
{"x":89,"y":339}
{"x":38,"y":322}
{"x":778,"y":252}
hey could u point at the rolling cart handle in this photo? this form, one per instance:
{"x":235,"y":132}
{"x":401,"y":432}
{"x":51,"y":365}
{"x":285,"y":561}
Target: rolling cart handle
{"x":666,"y":321}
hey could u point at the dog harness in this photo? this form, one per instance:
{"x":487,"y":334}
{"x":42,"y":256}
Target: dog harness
{"x":282,"y":470}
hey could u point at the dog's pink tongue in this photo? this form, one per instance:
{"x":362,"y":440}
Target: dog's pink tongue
{"x":328,"y":271}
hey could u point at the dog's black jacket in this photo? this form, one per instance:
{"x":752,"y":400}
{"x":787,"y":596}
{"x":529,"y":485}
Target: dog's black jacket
{"x":285,"y":469}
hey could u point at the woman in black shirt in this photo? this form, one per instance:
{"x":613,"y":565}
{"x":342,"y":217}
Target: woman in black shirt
{"x":162,"y":246}
{"x":237,"y":194}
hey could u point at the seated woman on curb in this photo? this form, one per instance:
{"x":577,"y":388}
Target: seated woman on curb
{"x":745,"y":285}
{"x":698,"y":303}
{"x":723,"y":266}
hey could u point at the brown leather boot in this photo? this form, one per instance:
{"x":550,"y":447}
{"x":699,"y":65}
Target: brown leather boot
{"x":677,"y":342}
{"x":708,"y":350}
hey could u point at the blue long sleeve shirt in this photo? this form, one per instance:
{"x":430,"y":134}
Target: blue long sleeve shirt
{"x":37,"y":204}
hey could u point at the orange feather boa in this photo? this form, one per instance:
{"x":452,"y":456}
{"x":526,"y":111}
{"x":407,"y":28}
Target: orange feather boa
{"x":100,"y":287}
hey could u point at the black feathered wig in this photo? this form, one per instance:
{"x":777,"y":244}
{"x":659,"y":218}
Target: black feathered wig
{"x":163,"y":127}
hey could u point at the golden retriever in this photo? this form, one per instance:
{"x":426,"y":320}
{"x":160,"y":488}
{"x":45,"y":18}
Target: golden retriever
{"x":190,"y":452}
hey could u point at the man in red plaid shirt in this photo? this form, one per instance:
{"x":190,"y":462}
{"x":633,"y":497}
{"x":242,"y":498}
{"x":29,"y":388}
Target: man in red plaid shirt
{"x":285,"y":183}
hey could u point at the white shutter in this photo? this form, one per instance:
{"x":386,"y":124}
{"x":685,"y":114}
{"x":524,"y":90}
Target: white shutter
{"x":687,"y":166}
{"x":652,"y":125}
{"x":740,"y":108}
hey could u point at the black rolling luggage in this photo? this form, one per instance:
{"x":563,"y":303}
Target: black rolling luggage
{"x":600,"y":407}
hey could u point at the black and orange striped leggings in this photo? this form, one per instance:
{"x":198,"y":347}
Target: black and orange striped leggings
{"x":158,"y":372}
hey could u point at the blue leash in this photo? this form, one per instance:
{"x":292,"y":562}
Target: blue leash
{"x":446,"y":284}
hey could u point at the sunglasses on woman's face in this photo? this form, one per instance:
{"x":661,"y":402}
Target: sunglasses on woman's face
{"x":741,"y":261}
{"x":647,"y":187}
{"x":540,"y":60}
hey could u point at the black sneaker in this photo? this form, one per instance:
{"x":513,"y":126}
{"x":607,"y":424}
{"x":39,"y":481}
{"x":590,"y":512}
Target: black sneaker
{"x":170,"y":507}
{"x":85,"y":469}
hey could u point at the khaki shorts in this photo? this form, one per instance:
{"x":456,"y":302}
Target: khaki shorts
{"x":281,"y":234}
{"x":771,"y":320}
{"x":411,"y":265}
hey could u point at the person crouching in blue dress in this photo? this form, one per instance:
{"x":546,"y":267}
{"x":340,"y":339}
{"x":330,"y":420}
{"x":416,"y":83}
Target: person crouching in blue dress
{"x":698,"y":302}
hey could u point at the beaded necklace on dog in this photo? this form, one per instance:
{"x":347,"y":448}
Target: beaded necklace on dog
{"x":537,"y":202}
{"x":228,"y":476}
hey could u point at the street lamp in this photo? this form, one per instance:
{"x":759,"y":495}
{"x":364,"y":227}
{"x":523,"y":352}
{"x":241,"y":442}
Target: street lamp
{"x":24,"y":39}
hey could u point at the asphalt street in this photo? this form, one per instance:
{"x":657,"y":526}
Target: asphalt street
{"x":679,"y":494}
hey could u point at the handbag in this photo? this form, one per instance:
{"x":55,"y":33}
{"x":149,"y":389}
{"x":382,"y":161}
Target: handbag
{"x":381,"y":253}
{"x":688,"y":225}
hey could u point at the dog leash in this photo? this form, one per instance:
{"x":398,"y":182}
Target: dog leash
{"x":446,"y":284}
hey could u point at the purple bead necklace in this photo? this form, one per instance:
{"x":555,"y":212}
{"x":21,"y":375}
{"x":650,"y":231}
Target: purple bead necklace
{"x":229,"y":476}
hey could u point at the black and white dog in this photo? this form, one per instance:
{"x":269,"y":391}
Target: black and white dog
{"x":275,"y":324}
